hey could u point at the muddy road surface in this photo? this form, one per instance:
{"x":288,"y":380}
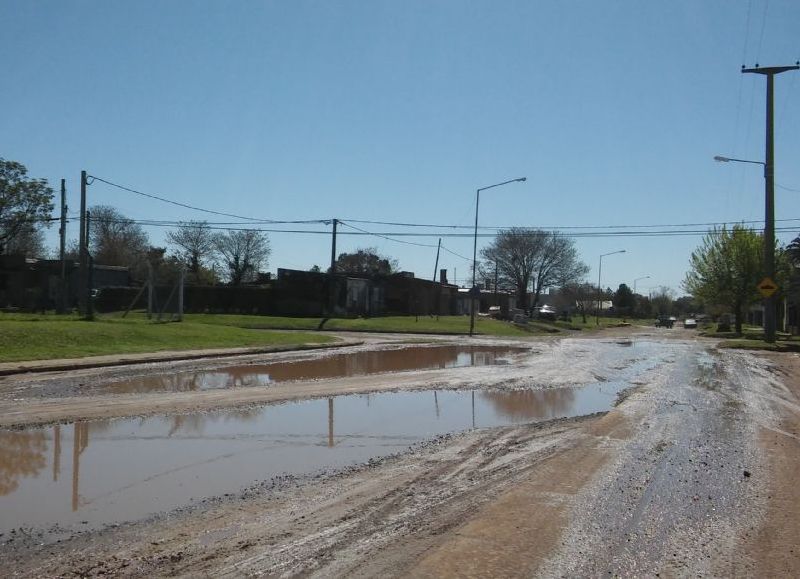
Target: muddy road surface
{"x":646,"y":454}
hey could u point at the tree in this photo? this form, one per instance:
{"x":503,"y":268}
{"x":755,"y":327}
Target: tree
{"x":24,"y":202}
{"x":195,"y":242}
{"x":29,"y":241}
{"x":661,"y":300}
{"x":726,"y":268}
{"x":366,"y":261}
{"x":581,"y":296}
{"x":242,"y":253}
{"x":546,"y":257}
{"x":624,"y":301}
{"x":116,"y":240}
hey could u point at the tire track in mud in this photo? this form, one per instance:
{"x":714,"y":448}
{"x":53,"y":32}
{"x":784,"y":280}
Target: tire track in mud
{"x":678,"y":498}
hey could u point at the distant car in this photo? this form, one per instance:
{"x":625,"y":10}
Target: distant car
{"x":546,"y":313}
{"x":664,"y":322}
{"x":689,"y":323}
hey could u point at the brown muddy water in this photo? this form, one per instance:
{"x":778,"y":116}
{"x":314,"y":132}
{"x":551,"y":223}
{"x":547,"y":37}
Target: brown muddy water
{"x":333,"y":366}
{"x":88,"y":474}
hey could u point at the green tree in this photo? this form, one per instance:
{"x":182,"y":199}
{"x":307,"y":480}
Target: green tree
{"x":366,"y":261}
{"x":29,"y":241}
{"x":624,"y":301}
{"x":25,"y":203}
{"x":726,"y":268}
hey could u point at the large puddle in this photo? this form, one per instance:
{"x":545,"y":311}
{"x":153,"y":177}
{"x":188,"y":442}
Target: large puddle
{"x":331,"y":366}
{"x":88,"y":474}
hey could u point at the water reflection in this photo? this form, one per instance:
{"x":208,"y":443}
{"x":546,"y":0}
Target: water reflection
{"x":22,"y":454}
{"x":134,"y":467}
{"x":334,"y":366}
{"x":529,"y":404}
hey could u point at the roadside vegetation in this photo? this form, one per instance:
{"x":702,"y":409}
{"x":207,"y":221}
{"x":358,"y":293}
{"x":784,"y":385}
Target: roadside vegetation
{"x":48,"y":336}
{"x":391,"y":324}
{"x":42,"y":337}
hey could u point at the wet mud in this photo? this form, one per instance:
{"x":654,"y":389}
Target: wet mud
{"x":671,"y":481}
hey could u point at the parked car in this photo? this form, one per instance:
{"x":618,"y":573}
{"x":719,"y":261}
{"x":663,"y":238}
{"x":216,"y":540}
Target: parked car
{"x":664,"y":322}
{"x":690,"y":323}
{"x":546,"y":313}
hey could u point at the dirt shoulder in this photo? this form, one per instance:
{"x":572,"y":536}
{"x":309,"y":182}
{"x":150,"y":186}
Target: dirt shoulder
{"x":774,"y":546}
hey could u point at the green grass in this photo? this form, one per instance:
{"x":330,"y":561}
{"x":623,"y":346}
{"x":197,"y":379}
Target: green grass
{"x":41,"y":337}
{"x":389,"y":324}
{"x":255,"y":322}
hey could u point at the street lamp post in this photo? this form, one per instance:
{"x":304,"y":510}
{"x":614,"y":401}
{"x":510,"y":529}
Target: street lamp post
{"x":638,"y":279}
{"x":634,"y":289}
{"x":475,"y":250}
{"x":770,"y":321}
{"x":599,"y":287}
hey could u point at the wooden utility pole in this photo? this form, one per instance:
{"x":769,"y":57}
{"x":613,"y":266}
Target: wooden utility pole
{"x":180,"y":294}
{"x":90,"y":272}
{"x":150,"y":290}
{"x":436,"y":267}
{"x":82,"y":253}
{"x":495,"y":283}
{"x":62,"y":234}
{"x":335,"y":222}
{"x":769,"y":195}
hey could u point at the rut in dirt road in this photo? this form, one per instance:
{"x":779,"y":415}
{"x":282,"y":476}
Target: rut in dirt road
{"x":680,"y":496}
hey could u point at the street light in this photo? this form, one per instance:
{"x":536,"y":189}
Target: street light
{"x":634,"y":292}
{"x":638,"y":279}
{"x":475,"y":250}
{"x":769,"y":234}
{"x":599,"y":290}
{"x":722,"y":159}
{"x":769,"y":188}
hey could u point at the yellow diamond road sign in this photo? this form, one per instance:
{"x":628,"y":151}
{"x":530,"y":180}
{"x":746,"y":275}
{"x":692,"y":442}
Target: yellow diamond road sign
{"x":767,"y":287}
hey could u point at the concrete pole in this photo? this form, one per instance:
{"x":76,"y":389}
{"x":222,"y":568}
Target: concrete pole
{"x":769,"y":193}
{"x":82,"y":253}
{"x":62,"y":249}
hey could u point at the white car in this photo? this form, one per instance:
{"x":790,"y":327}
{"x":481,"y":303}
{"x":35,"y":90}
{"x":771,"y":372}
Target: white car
{"x":689,"y":323}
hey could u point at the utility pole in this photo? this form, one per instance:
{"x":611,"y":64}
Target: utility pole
{"x":769,"y":193}
{"x":62,"y":233}
{"x":495,"y":283}
{"x":335,"y":222}
{"x":82,"y":253}
{"x":436,"y":267}
{"x":90,"y":276}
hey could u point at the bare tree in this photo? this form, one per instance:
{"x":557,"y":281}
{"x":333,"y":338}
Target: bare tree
{"x":243,"y":253}
{"x":115,"y":239}
{"x":547,"y":258}
{"x":196,"y":243}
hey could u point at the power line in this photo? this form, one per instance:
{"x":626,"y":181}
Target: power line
{"x":193,"y":207}
{"x":448,"y":250}
{"x":256,"y":220}
{"x":381,"y":235}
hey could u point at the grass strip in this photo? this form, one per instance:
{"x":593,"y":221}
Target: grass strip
{"x":51,"y":337}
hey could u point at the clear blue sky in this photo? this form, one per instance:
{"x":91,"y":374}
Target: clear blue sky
{"x":398,"y":111}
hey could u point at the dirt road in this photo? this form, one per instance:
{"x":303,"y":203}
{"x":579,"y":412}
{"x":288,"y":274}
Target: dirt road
{"x":692,"y":473}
